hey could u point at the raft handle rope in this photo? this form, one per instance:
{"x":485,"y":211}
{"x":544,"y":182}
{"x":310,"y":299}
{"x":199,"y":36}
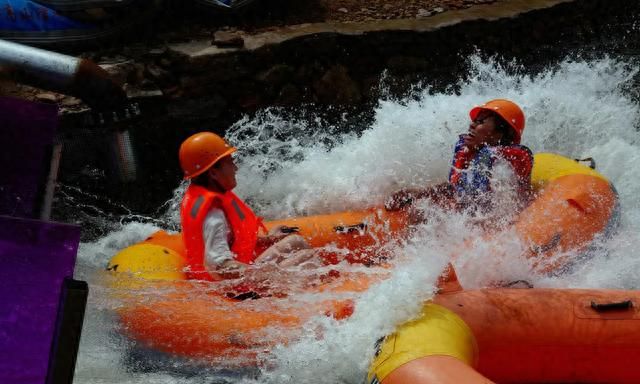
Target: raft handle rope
{"x":592,"y":162}
{"x":616,"y":306}
{"x":360,"y":227}
{"x":244,"y":295}
{"x":515,"y":283}
{"x":286,"y":229}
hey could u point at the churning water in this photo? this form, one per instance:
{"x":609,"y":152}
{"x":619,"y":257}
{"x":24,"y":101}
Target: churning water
{"x":579,"y":108}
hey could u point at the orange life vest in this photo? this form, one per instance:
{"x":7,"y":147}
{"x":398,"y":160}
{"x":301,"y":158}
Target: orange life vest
{"x":196,"y":204}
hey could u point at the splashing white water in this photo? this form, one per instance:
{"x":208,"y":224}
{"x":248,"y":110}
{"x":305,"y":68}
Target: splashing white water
{"x":578,"y":109}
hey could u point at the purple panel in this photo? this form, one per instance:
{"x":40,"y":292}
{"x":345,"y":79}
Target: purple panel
{"x":36,"y":256}
{"x":28,"y":130}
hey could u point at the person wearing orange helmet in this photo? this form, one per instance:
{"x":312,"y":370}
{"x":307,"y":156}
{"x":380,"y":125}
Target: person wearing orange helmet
{"x":494,"y":136}
{"x":219,"y":230}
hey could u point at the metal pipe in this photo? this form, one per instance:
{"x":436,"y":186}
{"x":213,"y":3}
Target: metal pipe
{"x":67,"y":74}
{"x":126,"y":164}
{"x":52,"y":177}
{"x":54,"y":68}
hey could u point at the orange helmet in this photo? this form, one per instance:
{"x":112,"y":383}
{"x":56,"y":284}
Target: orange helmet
{"x":506,"y":109}
{"x":200,"y":151}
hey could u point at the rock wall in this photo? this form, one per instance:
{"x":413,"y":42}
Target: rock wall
{"x":214,"y":84}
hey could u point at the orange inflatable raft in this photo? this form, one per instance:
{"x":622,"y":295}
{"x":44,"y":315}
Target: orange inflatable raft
{"x":196,"y":319}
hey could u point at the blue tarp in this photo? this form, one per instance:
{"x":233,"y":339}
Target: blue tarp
{"x":25,"y":15}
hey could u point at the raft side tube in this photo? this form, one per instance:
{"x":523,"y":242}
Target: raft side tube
{"x":550,"y":166}
{"x":574,"y":203}
{"x":551,"y":335}
{"x":522,"y":335}
{"x":567,"y":215}
{"x":438,"y":332}
{"x":352,"y":230}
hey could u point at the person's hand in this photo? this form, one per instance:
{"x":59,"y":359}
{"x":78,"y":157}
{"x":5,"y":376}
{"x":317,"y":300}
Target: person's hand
{"x":269,"y":258}
{"x":399,"y":200}
{"x":472,"y":141}
{"x":274,"y":235}
{"x":231,"y":269}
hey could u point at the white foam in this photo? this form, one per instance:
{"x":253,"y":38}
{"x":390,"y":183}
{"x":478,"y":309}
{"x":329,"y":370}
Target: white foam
{"x":579,"y":109}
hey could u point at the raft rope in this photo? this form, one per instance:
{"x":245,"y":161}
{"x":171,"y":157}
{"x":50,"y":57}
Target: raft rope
{"x":360,"y":227}
{"x":527,"y":284}
{"x":592,"y":162}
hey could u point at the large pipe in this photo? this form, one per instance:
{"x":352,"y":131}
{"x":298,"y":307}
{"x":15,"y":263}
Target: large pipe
{"x":67,"y":74}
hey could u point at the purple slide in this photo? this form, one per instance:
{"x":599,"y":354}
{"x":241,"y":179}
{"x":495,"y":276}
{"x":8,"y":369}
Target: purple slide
{"x":42,"y":307}
{"x":28,"y":131}
{"x":36,"y":257}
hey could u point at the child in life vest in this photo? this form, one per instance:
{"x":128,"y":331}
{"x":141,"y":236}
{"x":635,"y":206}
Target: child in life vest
{"x":220,"y":232}
{"x":494,"y":136}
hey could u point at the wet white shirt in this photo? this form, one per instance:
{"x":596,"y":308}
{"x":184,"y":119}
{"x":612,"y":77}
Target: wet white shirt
{"x":215,"y":232}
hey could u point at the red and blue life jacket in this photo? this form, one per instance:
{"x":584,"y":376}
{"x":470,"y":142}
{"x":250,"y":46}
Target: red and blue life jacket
{"x":470,"y":173}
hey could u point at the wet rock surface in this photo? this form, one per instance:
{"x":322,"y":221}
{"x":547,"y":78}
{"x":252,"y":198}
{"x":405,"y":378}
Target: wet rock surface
{"x":358,"y":10}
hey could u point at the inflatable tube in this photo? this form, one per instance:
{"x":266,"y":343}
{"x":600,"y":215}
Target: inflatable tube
{"x":573,"y":205}
{"x":216,"y":328}
{"x":195,"y":319}
{"x":516,"y":336}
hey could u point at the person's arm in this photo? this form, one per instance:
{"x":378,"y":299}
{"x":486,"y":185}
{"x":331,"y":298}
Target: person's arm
{"x":275,"y":234}
{"x":215,"y":232}
{"x":232,"y":265}
{"x":521,"y":160}
{"x":440,"y":194}
{"x":470,"y":143}
{"x":265,"y":242}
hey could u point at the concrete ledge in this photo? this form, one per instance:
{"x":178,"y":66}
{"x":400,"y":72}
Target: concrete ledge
{"x":489,"y":12}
